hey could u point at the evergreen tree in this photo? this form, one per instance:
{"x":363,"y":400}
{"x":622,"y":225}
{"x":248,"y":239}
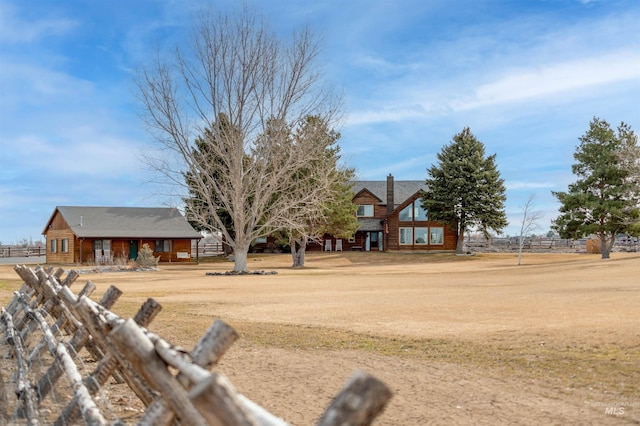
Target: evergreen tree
{"x":334,"y":212}
{"x":198,"y":206}
{"x":604,"y":200}
{"x":464,"y":190}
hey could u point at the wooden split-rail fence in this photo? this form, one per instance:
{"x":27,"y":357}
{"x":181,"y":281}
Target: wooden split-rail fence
{"x":60,"y":350}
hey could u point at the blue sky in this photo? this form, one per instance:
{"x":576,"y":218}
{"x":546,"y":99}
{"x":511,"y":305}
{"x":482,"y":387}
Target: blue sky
{"x":526,"y":76}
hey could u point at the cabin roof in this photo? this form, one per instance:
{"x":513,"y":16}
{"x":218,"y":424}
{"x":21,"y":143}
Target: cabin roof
{"x":126,"y":222}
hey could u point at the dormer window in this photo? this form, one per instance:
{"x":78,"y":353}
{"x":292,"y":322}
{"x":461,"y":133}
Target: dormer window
{"x":365,"y":210}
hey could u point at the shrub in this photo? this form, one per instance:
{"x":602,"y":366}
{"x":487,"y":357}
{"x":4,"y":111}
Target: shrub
{"x":145,"y":257}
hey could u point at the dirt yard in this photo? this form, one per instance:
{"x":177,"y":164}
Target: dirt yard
{"x":459,"y":340}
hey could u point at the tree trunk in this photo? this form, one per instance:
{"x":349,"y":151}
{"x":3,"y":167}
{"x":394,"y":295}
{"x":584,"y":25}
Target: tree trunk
{"x":460,"y":243}
{"x":298,"y":250}
{"x":240,"y":259}
{"x":520,"y":247}
{"x":605,"y":247}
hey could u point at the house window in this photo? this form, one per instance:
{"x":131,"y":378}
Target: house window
{"x":406,"y":236}
{"x":365,"y":210}
{"x":260,"y":240}
{"x":163,"y":246}
{"x":102,"y":245}
{"x":54,"y":246}
{"x":406,"y":214}
{"x":413,"y":211}
{"x":420,"y":235}
{"x":420,"y":212}
{"x":352,"y":239}
{"x":65,"y":245}
{"x":437,"y":235}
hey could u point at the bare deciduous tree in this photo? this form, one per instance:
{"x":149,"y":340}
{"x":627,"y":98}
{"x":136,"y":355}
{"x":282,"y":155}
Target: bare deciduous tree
{"x":247,"y":94}
{"x":529,"y":223}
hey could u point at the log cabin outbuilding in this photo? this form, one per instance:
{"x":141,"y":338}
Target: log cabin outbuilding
{"x":77,"y":234}
{"x":392,"y":219}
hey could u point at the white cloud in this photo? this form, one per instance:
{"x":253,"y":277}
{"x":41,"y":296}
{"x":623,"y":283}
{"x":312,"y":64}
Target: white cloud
{"x":16,"y":29}
{"x":555,"y":79}
{"x":518,"y":185}
{"x":386,"y":114}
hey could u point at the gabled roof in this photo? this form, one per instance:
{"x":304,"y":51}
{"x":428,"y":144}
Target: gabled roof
{"x":126,"y":222}
{"x":402,"y":189}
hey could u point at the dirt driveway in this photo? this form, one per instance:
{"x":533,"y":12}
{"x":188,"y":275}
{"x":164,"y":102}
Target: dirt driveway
{"x":460,"y":340}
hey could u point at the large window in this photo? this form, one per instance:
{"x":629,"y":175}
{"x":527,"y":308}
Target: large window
{"x":406,"y":236}
{"x":420,"y":212}
{"x":365,"y":210}
{"x":54,"y":246}
{"x":420,"y":235}
{"x":406,"y":214}
{"x":162,"y":246}
{"x":65,"y":245}
{"x":413,"y":211}
{"x":437,"y":235}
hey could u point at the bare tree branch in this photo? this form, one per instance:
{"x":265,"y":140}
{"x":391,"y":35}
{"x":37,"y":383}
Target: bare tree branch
{"x":246,"y":94}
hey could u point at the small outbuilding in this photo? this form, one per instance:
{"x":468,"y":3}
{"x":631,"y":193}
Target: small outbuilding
{"x":77,"y":234}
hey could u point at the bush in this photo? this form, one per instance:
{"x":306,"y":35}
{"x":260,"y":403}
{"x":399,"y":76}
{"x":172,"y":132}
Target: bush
{"x":145,"y":257}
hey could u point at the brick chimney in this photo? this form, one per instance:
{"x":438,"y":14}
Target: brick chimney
{"x":390,"y":204}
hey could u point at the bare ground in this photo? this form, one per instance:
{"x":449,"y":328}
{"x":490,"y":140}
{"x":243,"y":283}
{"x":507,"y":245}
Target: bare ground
{"x":460,"y":340}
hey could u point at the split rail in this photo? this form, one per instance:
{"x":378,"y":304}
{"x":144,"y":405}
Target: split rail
{"x":63,"y":354}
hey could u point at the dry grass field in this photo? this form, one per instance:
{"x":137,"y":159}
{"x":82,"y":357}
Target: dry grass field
{"x":460,"y":340}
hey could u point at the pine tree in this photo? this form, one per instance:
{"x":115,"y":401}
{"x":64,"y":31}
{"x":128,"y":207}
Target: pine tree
{"x":604,"y":200}
{"x":464,"y":190}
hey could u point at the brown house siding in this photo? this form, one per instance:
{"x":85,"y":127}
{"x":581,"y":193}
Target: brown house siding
{"x":81,"y":250}
{"x":367,"y":198}
{"x":394,"y":224}
{"x":58,"y":236}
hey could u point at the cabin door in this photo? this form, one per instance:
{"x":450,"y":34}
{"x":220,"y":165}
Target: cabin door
{"x":133,"y":249}
{"x":367,"y":242}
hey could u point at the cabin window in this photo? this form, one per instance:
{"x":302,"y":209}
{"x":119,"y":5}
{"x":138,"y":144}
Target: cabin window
{"x":420,"y":235}
{"x":365,"y":210}
{"x":437,"y":235}
{"x":163,"y":246}
{"x":413,"y":211}
{"x":352,"y":239}
{"x":260,"y":240}
{"x":54,"y":246}
{"x":406,"y":214}
{"x":420,"y":212}
{"x":406,"y":236}
{"x":102,"y":245}
{"x":65,"y":245}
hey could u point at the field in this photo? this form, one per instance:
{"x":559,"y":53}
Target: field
{"x":460,"y":340}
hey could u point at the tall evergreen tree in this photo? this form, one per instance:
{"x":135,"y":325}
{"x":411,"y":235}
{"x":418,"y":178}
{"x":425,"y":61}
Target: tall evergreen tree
{"x":605,"y":199}
{"x":464,"y":190}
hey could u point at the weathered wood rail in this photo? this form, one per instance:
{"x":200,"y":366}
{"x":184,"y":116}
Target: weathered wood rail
{"x":59,"y":349}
